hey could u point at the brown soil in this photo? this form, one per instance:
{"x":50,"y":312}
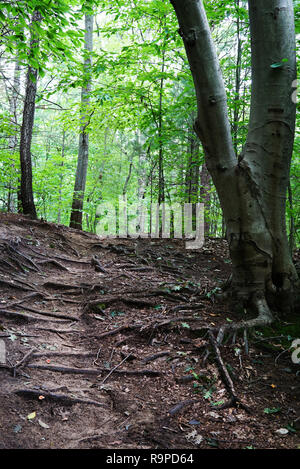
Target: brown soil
{"x":121,"y":375}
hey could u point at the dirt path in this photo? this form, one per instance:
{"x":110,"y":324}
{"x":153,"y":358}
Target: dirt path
{"x":101,"y":347}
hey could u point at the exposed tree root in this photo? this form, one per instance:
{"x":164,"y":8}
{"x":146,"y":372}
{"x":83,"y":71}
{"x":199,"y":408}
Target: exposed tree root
{"x":61,"y":398}
{"x":53,"y":262}
{"x":94,"y":304}
{"x":48,"y":313}
{"x":22,"y":316}
{"x":152,"y":326}
{"x":155,"y":356}
{"x":264,"y":318}
{"x":94,"y":371}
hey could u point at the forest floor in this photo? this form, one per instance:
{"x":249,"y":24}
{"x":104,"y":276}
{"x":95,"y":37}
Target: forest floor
{"x":109,"y":351}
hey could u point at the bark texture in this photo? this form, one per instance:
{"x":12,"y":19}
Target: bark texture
{"x":252,"y":188}
{"x":27,"y":200}
{"x":13,"y":144}
{"x":83,"y":148}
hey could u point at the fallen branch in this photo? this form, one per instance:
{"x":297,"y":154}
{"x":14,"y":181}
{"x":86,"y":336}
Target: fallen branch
{"x":234,"y":399}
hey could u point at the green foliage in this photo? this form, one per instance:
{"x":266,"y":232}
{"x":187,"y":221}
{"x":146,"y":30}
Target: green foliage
{"x":142,"y":103}
{"x":53,"y":31}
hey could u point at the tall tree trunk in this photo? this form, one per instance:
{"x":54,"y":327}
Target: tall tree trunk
{"x":27,"y":200}
{"x":13,"y":96}
{"x":83,"y":149}
{"x":252,"y":189}
{"x":292,"y":243}
{"x":192,"y":170}
{"x":205,"y":189}
{"x":161,"y":179}
{"x":14,"y":138}
{"x":61,"y":176}
{"x":236,"y":113}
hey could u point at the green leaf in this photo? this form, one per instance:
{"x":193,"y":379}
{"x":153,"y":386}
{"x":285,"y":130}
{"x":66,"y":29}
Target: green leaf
{"x":274,"y":410}
{"x":31,"y":416}
{"x":290,"y":428}
{"x":186,"y":325}
{"x":207,"y":395}
{"x":218,"y":403}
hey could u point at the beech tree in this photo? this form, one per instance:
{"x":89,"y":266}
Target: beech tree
{"x":251,"y":186}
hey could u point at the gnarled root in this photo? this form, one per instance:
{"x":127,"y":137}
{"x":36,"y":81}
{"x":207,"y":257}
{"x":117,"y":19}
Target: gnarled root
{"x":264,"y":317}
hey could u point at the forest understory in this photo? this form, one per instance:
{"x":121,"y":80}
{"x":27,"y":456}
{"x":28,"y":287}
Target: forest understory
{"x":110,"y":344}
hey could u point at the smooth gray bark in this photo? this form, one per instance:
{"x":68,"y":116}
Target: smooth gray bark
{"x":205,"y":189}
{"x":252,"y":188}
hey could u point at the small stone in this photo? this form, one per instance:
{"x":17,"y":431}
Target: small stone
{"x":194,"y":437}
{"x":214,"y":415}
{"x":282,"y":431}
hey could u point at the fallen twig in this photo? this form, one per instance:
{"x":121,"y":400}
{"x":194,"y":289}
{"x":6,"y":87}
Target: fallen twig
{"x":234,"y":399}
{"x":22,"y":362}
{"x":114,"y":369}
